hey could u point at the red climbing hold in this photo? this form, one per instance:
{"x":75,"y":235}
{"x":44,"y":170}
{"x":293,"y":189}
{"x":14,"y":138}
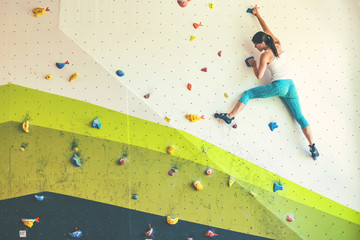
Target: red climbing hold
{"x":210,"y":234}
{"x":147,"y":96}
{"x":196,"y":25}
{"x":219,"y":53}
{"x":189,"y":86}
{"x":204,"y":69}
{"x":235,"y":126}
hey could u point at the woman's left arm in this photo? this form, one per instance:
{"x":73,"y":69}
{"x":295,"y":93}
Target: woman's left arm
{"x":260,"y":71}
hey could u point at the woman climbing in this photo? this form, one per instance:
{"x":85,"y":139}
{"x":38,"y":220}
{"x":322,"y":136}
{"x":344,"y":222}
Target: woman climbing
{"x":281,"y":85}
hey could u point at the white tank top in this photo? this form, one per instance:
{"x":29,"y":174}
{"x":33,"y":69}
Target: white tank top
{"x":279,"y":67}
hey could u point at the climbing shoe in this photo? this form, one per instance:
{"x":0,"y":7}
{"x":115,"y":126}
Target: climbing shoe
{"x":314,"y":151}
{"x":224,"y":117}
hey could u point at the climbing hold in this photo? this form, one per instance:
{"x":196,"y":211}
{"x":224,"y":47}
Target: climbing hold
{"x":277,"y":186}
{"x":225,"y":95}
{"x":135,"y":197}
{"x":48,"y":76}
{"x":172,"y":171}
{"x":122,"y":160}
{"x":189,"y":86}
{"x":61,"y":65}
{"x":120,"y":73}
{"x":29,"y":222}
{"x":249,"y":10}
{"x":210,"y":233}
{"x":235,"y":126}
{"x":196,"y":25}
{"x":167,"y":119}
{"x":231,"y":181}
{"x":183,"y":3}
{"x":76,"y":234}
{"x":147,"y":96}
{"x":198,"y":185}
{"x":192,"y":38}
{"x":204,"y":69}
{"x":247,"y":61}
{"x":211,"y":5}
{"x":40,"y":11}
{"x":170,"y":149}
{"x":289,"y":218}
{"x":25,"y":126}
{"x":73,"y":77}
{"x":76,"y":161}
{"x":194,"y":118}
{"x":39,"y":198}
{"x":219,"y":53}
{"x":96,"y":123}
{"x":75,"y":149}
{"x":208,"y":171}
{"x":172,"y":221}
{"x":22,"y":233}
{"x":252,"y":194}
{"x":150,"y":231}
{"x":273,"y":125}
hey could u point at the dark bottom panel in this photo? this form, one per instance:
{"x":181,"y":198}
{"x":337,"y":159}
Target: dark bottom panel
{"x":60,"y":214}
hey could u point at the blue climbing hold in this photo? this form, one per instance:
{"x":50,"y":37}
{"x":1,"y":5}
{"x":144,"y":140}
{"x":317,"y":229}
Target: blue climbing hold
{"x":249,"y":10}
{"x":273,"y":125}
{"x":120,"y":73}
{"x":61,"y":65}
{"x":135,"y":197}
{"x":96,"y":124}
{"x":246,"y":61}
{"x":39,"y":198}
{"x":75,"y":160}
{"x":277,"y":187}
{"x":76,"y":234}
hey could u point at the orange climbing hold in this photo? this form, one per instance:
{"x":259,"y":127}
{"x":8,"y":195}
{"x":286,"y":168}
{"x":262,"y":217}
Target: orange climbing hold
{"x":196,"y":25}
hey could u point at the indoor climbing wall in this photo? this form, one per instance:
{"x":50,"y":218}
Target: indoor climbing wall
{"x":141,"y":67}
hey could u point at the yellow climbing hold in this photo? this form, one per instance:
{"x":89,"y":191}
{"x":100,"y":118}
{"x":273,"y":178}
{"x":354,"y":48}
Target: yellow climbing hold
{"x":25,"y":126}
{"x":167,"y":119}
{"x":231,"y":181}
{"x":211,"y":5}
{"x":226,"y":96}
{"x":48,"y":76}
{"x":192,"y":38}
{"x":172,"y":221}
{"x":193,"y":117}
{"x":73,"y":77}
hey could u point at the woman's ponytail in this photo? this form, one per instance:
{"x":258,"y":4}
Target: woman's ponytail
{"x":269,"y":41}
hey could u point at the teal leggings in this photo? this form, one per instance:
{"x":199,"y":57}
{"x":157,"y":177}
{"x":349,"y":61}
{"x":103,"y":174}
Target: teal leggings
{"x":285,"y":89}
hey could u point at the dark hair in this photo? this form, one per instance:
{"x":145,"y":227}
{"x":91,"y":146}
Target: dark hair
{"x":260,"y":37}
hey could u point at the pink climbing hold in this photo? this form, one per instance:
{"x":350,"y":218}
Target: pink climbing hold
{"x":289,"y":218}
{"x":210,"y":234}
{"x":147,"y":96}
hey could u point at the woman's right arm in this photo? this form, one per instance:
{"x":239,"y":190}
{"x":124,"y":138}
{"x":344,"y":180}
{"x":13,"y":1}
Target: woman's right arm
{"x":264,"y":26}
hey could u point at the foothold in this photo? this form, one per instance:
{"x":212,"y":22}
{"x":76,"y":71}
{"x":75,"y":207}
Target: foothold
{"x":204,"y":69}
{"x":76,"y":161}
{"x":170,"y":149}
{"x":40,"y":11}
{"x":198,"y":185}
{"x":247,"y":61}
{"x":210,"y":233}
{"x":167,"y":119}
{"x":96,"y":123}
{"x":150,"y":231}
{"x":189,"y":86}
{"x":172,"y":221}
{"x":277,"y":186}
{"x":183,"y":3}
{"x":23,"y":147}
{"x":172,"y":171}
{"x":194,"y":118}
{"x":25,"y":126}
{"x":225,"y":95}
{"x":39,"y":198}
{"x":147,"y":96}
{"x":273,"y":125}
{"x":122,"y":160}
{"x":252,"y":194}
{"x":135,"y":197}
{"x":73,"y":77}
{"x":75,"y":149}
{"x":192,"y":38}
{"x":211,"y":5}
{"x":49,"y":76}
{"x":196,"y":25}
{"x":29,"y":222}
{"x":204,"y":150}
{"x":120,"y":73}
{"x":289,"y":218}
{"x":235,"y":126}
{"x":219,"y":53}
{"x":231,"y":181}
{"x":61,"y":65}
{"x":76,"y":234}
{"x":208,"y":171}
{"x":22,"y":233}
